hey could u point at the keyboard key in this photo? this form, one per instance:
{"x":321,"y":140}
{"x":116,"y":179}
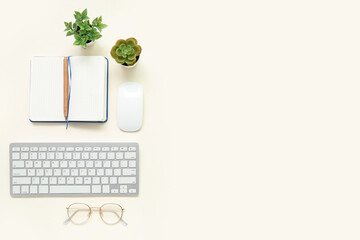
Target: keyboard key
{"x":96,"y":149}
{"x":88,"y":149}
{"x":43,"y":189}
{"x":83,"y":172}
{"x":42,"y":156}
{"x":113,"y":180}
{"x":52,"y":149}
{"x":33,"y":155}
{"x":61,"y":149}
{"x":104,"y":180}
{"x":57,"y":172}
{"x":102,"y":155}
{"x":24,"y":149}
{"x":96,"y":180}
{"x":15,"y":149}
{"x":44,"y":180}
{"x":46,"y":164}
{"x":87,"y":180}
{"x":59,"y":155}
{"x":78,"y":180}
{"x":127,"y":180}
{"x":111,"y":155}
{"x":108,"y":172}
{"x":98,"y":164}
{"x":100,"y":172}
{"x":33,"y":189}
{"x":67,"y":155}
{"x":18,"y":164}
{"x":69,"y":180}
{"x":72,"y":164}
{"x":91,"y":172}
{"x":131,"y":149}
{"x":31,"y":172}
{"x":119,"y":155}
{"x":25,"y":155}
{"x":96,"y":188}
{"x":37,"y":164}
{"x":123,"y":148}
{"x":106,"y":188}
{"x":63,"y":164}
{"x":114,"y":190}
{"x":61,"y":180}
{"x":29,"y":164}
{"x":15,"y":156}
{"x":115,"y":164}
{"x":123,"y":188}
{"x":81,"y":164}
{"x":53,"y":180}
{"x":21,"y":180}
{"x":40,"y":172}
{"x":70,"y":189}
{"x":16,"y":189}
{"x":50,"y":155}
{"x":43,"y":149}
{"x":129,"y":171}
{"x":35,"y":180}
{"x":74,"y":172}
{"x":70,"y":149}
{"x":34,"y":149}
{"x":117,"y":172}
{"x":78,"y":149}
{"x":123,"y":163}
{"x":48,"y":172}
{"x":85,"y":155}
{"x":24,"y":189}
{"x":106,"y":164}
{"x":132,"y":164}
{"x":130,"y":155}
{"x":89,"y":164}
{"x":93,"y":155}
{"x":55,"y":164}
{"x":114,"y":148}
{"x":132,"y":190}
{"x":66,"y":172}
{"x":19,"y":172}
{"x":105,"y":149}
{"x":76,"y":156}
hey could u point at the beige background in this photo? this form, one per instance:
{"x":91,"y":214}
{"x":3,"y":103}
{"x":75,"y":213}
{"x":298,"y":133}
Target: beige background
{"x":251,"y":126}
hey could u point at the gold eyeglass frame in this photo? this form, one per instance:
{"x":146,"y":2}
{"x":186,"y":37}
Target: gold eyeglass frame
{"x":95,"y":209}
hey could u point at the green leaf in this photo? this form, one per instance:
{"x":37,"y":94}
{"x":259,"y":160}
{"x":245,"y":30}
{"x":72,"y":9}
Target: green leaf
{"x":84,"y":13}
{"x":69,"y":33}
{"x":77,"y":43}
{"x":83,"y":45}
{"x":77,"y":37}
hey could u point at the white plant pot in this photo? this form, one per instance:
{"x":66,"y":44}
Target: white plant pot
{"x":90,"y":44}
{"x":131,"y":65}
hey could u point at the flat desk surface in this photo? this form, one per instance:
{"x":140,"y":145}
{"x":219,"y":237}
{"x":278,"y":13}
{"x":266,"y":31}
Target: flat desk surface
{"x":251,"y":127}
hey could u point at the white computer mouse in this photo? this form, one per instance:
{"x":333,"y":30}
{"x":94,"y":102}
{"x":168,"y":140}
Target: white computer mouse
{"x":130,"y":106}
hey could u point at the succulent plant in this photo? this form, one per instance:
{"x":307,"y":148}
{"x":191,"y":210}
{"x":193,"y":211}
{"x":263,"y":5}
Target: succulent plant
{"x":84,"y":31}
{"x":126,"y":52}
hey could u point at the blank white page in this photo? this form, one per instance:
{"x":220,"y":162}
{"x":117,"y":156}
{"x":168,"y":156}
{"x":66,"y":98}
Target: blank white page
{"x":88,"y":88}
{"x":46,"y":89}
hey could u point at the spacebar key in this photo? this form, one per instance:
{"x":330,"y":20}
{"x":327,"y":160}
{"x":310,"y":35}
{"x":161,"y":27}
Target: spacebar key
{"x":70,"y":189}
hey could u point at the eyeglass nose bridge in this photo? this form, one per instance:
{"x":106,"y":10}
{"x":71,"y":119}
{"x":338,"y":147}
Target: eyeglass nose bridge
{"x":95,"y":209}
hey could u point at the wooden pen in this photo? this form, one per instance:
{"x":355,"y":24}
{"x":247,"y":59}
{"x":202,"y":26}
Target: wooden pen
{"x":66,"y":88}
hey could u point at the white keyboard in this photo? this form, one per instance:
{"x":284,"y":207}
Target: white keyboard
{"x":74,"y":169}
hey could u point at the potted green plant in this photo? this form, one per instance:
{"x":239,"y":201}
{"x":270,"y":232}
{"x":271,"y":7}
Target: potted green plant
{"x":84,"y":32}
{"x":126,"y":52}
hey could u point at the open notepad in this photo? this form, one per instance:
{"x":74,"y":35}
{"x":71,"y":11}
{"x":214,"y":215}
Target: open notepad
{"x":88,"y":86}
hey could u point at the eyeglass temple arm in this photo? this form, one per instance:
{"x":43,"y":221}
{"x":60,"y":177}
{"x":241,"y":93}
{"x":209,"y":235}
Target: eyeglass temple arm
{"x":72,"y":215}
{"x":121,"y":220}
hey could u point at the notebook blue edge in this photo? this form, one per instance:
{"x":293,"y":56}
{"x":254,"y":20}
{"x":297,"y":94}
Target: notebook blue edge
{"x":107,"y":102}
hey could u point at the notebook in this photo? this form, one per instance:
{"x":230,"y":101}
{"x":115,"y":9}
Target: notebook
{"x":88,"y":89}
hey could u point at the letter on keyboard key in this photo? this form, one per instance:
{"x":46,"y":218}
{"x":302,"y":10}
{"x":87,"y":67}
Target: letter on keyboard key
{"x":70,"y":189}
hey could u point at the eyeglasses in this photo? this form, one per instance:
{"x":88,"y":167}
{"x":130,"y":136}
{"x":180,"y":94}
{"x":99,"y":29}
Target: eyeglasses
{"x":110,"y":213}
